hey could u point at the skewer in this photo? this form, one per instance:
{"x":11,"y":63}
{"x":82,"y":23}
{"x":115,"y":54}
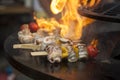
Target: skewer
{"x":26,"y":46}
{"x":44,"y":53}
{"x":41,"y":53}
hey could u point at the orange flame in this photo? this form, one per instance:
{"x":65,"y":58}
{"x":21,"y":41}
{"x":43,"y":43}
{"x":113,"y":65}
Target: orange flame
{"x":90,"y":3}
{"x":71,"y":23}
{"x":57,"y":6}
{"x":94,"y":42}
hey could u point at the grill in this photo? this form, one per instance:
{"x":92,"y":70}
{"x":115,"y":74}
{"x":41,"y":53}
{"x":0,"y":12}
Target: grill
{"x":39,"y":68}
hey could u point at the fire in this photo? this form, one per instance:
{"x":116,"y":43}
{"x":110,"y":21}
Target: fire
{"x":47,"y":25}
{"x":94,"y":42}
{"x":57,"y":6}
{"x":89,"y":3}
{"x":70,"y":23}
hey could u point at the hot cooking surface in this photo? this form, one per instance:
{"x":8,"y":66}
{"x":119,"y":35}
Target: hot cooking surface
{"x":108,"y":12}
{"x":40,"y":68}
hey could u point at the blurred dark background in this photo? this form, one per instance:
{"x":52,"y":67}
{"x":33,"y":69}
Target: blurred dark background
{"x":14,"y":13}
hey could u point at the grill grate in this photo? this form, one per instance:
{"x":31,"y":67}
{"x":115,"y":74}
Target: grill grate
{"x":108,"y":12}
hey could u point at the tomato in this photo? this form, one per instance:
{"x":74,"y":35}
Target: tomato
{"x":92,"y":51}
{"x":33,"y":26}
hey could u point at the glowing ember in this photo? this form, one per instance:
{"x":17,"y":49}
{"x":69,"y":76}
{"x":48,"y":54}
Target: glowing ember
{"x":71,"y":23}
